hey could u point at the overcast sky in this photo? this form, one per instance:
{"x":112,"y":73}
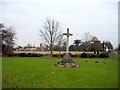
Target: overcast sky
{"x":98,"y":17}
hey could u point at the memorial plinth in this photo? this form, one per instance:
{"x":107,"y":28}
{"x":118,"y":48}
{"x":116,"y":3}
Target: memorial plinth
{"x":67,"y":61}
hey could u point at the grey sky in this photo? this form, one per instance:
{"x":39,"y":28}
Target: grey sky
{"x":99,"y":17}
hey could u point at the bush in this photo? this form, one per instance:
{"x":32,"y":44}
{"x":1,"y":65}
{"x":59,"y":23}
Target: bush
{"x":55,"y":55}
{"x":98,"y":55}
{"x":29,"y":55}
{"x":10,"y":54}
{"x":101,"y":55}
{"x":74,"y":55}
{"x":62,"y":55}
{"x":92,"y":56}
{"x":83,"y":55}
{"x":104,"y":55}
{"x":40,"y":55}
{"x":22,"y":54}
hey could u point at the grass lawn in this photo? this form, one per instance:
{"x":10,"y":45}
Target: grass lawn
{"x":0,"y":72}
{"x":35,"y":72}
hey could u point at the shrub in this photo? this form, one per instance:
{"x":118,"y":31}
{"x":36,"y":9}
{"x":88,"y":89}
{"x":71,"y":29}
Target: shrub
{"x":10,"y":54}
{"x":62,"y":55}
{"x":29,"y":55}
{"x":98,"y":55}
{"x":104,"y":55}
{"x":55,"y":55}
{"x":23,"y":54}
{"x":40,"y":55}
{"x":34,"y":55}
{"x":92,"y":56}
{"x":83,"y":55}
{"x":74,"y":55}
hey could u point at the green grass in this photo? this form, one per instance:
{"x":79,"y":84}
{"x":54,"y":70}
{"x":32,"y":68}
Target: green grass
{"x":0,"y":72}
{"x":35,"y":72}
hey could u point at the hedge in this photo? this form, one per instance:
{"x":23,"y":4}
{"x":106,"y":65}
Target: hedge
{"x":101,"y":55}
{"x":83,"y":55}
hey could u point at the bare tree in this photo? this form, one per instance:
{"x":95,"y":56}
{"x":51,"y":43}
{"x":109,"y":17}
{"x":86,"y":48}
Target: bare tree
{"x":87,"y":41}
{"x":50,"y":33}
{"x":86,"y":38}
{"x":94,"y":39}
{"x":61,"y":41}
{"x":1,"y":26}
{"x":8,"y":39}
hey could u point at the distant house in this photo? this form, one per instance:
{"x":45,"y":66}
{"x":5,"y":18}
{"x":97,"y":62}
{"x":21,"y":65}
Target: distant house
{"x":26,"y":48}
{"x":19,"y":48}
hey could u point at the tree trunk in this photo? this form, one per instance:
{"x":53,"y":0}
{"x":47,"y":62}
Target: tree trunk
{"x":59,"y":52}
{"x":87,"y":53}
{"x":51,"y":50}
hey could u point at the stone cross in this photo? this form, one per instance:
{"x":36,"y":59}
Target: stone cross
{"x":67,"y":34}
